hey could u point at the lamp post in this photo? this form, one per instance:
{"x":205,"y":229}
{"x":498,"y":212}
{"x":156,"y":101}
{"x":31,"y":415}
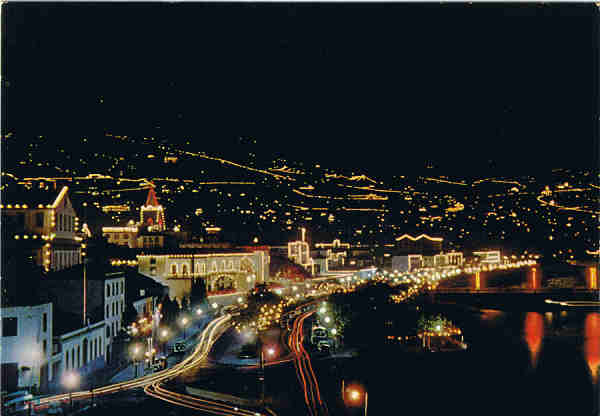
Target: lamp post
{"x":261,"y":376}
{"x":136,"y":351}
{"x":354,"y":394}
{"x":164,"y":335}
{"x":184,"y":322}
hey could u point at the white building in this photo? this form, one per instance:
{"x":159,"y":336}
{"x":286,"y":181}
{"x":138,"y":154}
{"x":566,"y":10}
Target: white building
{"x":26,"y":346}
{"x":80,"y":350}
{"x":114,"y":303}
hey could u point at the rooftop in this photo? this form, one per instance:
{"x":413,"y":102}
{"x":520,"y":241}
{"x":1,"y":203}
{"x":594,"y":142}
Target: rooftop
{"x":94,"y":271}
{"x":19,"y":196}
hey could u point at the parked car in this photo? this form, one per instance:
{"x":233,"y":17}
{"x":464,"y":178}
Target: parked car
{"x":248,"y":351}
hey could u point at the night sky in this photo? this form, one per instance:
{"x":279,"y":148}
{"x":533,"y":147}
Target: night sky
{"x":359,"y":85}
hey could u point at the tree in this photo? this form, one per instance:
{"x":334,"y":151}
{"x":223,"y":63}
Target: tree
{"x":198,"y":292}
{"x":185,"y":303}
{"x":169,"y":310}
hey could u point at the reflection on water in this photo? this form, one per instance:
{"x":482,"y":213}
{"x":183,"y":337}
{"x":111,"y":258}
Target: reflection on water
{"x":534,"y":334}
{"x":591,"y":346}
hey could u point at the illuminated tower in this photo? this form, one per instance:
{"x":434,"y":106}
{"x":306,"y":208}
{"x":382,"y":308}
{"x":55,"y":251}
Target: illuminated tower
{"x":152,"y":214}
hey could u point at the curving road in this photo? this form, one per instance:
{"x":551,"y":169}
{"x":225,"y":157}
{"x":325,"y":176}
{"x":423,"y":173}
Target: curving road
{"x":304,"y":371}
{"x":211,"y":333}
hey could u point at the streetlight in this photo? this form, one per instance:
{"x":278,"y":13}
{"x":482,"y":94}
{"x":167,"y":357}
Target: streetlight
{"x":184,"y":322}
{"x":199,"y":311}
{"x":135,"y":353}
{"x":70,"y":382}
{"x":355,"y":393}
{"x":163,"y":335}
{"x":261,"y":376}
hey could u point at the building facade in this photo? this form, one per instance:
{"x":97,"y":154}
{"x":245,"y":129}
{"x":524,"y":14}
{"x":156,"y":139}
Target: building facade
{"x":26,"y":346}
{"x":235,"y":270}
{"x":47,"y":221}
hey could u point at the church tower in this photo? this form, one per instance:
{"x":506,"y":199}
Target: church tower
{"x":152,"y":213}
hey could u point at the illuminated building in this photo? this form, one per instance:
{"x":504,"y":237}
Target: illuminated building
{"x":149,"y":233}
{"x":422,"y":244}
{"x":336,"y":252}
{"x":448,"y":259}
{"x":123,"y":236}
{"x":407,"y":263}
{"x":235,"y":270}
{"x":43,"y":222}
{"x":152,"y":214}
{"x":115,"y":208}
{"x":299,"y":253}
{"x":488,"y":257}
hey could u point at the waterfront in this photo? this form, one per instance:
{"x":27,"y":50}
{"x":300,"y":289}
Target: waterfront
{"x":516,"y":363}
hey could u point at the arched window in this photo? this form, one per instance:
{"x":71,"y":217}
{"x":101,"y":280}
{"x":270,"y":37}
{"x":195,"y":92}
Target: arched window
{"x":173,"y":269}
{"x":184,"y":270}
{"x":203,"y":268}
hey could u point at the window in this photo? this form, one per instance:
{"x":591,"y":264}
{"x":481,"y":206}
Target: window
{"x":9,"y":327}
{"x":113,"y":309}
{"x":44,"y":347}
{"x":107,"y":331}
{"x":107,"y":290}
{"x":67,"y":360}
{"x":78,"y":355}
{"x":39,"y":219}
{"x":184,"y":269}
{"x":107,"y":315}
{"x":122,"y":291}
{"x":73,"y":358}
{"x":44,"y":322}
{"x":173,"y":269}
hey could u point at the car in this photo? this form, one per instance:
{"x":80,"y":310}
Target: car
{"x":324,"y":346}
{"x":179,"y":347}
{"x":247,"y":351}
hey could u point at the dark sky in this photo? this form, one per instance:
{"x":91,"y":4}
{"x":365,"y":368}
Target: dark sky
{"x":365,"y":85}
